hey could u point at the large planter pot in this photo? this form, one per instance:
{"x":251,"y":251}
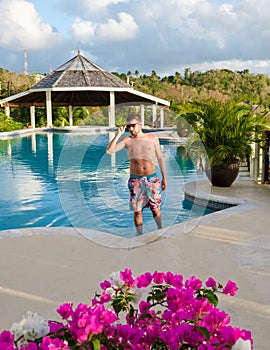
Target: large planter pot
{"x":222,"y":175}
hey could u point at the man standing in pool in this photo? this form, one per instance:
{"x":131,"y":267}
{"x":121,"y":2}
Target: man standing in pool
{"x":144,"y":185}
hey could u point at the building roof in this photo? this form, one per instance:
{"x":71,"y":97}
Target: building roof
{"x":80,"y":82}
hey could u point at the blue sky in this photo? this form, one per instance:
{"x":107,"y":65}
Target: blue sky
{"x":144,"y":35}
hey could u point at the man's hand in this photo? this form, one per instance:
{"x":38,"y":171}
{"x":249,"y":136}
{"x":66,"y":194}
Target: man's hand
{"x":163,"y":184}
{"x":121,"y":130}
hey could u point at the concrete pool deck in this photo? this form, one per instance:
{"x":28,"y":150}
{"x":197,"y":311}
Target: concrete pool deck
{"x":41,"y":268}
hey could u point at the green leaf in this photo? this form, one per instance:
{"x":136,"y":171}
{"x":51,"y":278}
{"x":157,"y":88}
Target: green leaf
{"x":208,"y":294}
{"x":96,"y":344}
{"x":204,"y":331}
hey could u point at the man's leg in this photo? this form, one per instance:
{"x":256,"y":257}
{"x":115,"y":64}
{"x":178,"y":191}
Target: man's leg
{"x":138,"y":222}
{"x":157,"y":217}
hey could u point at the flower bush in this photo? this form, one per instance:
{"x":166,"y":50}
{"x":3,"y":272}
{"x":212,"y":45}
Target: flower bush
{"x":152,"y":311}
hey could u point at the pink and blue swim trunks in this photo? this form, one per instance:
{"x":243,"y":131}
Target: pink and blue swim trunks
{"x":145,"y":192}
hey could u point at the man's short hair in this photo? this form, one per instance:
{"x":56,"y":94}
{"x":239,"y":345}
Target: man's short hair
{"x":132,"y":117}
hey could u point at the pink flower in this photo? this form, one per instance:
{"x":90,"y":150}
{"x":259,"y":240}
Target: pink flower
{"x":215,"y":320}
{"x":230,"y":288}
{"x":30,"y":346}
{"x":126,"y":276}
{"x":53,"y":344}
{"x":178,"y":281}
{"x":55,"y":326}
{"x":169,"y":278}
{"x":6,"y":340}
{"x":104,"y":298}
{"x":193,"y":283}
{"x":144,"y":280}
{"x":128,"y":335}
{"x":158,"y":277}
{"x":65,"y":310}
{"x":105,"y":284}
{"x":211,"y":283}
{"x":144,"y":306}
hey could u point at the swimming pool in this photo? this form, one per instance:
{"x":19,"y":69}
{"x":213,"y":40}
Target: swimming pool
{"x":67,"y":179}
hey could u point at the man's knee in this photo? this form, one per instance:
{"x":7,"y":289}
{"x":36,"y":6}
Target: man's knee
{"x":156,"y":212}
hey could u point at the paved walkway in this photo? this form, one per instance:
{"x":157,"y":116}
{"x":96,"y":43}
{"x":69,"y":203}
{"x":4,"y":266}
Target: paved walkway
{"x":40,"y":268}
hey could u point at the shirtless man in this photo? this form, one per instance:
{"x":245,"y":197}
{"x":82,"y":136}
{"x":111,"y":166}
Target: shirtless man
{"x":144,"y":185}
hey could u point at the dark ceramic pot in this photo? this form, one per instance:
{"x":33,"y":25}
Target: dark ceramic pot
{"x":222,"y":175}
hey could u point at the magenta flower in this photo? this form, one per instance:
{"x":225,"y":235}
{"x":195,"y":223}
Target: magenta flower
{"x":128,"y":336}
{"x":169,"y":278}
{"x":144,"y":306}
{"x":55,"y":326}
{"x":53,"y":344}
{"x":177,"y":281}
{"x":105,"y":284}
{"x":193,"y":283}
{"x":158,"y":277}
{"x":30,"y":346}
{"x":6,"y":340}
{"x":215,"y":320}
{"x":230,"y":288}
{"x":211,"y":283}
{"x":126,"y":277}
{"x":65,"y":310}
{"x":144,"y":280}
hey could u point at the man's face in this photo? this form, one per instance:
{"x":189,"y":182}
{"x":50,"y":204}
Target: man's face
{"x":134,"y":127}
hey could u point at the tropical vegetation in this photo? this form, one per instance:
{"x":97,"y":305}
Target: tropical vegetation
{"x":223,"y":85}
{"x":226,"y":129}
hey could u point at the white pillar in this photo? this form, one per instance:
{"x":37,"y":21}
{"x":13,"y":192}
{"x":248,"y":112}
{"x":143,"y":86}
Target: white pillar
{"x":49,"y":108}
{"x":142,"y":115}
{"x":32,"y":117}
{"x":154,"y":109}
{"x":70,"y":114}
{"x":50,"y":150}
{"x":7,"y":111}
{"x":161,"y":117}
{"x":113,"y":155}
{"x":34,"y":142}
{"x":112,"y":110}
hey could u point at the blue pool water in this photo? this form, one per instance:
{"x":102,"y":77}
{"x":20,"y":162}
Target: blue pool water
{"x":67,"y":179}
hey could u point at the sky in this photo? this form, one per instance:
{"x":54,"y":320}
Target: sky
{"x":166,"y":36}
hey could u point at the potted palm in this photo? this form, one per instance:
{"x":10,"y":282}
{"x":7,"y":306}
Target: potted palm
{"x":226,"y":130}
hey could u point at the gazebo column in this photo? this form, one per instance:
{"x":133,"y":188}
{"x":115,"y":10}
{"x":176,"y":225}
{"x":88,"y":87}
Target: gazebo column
{"x":142,"y":115}
{"x":161,"y":117}
{"x":7,"y":111}
{"x":112,"y":110}
{"x":70,"y":114}
{"x":32,"y":117}
{"x":154,"y":114}
{"x":49,"y":108}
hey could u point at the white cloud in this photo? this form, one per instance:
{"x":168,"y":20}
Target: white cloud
{"x":83,"y":30}
{"x":22,"y":27}
{"x":142,"y":34}
{"x":89,"y":8}
{"x":125,"y":29}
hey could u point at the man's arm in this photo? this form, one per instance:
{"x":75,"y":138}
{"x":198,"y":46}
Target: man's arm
{"x":113,"y":145}
{"x":161,"y":166}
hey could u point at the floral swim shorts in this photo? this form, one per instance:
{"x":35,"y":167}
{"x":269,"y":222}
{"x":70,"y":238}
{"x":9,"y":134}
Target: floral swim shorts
{"x":145,"y":192}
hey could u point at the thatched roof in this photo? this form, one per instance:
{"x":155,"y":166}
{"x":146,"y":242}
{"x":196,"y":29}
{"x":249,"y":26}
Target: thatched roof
{"x":80,"y":72}
{"x":80,"y":82}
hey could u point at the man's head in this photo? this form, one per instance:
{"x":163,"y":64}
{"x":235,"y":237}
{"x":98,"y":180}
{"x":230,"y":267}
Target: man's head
{"x":134,"y":124}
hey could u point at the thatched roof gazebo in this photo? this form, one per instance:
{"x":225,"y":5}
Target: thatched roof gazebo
{"x":79,"y":82}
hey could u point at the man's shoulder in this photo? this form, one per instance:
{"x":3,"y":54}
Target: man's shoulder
{"x":151,"y":137}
